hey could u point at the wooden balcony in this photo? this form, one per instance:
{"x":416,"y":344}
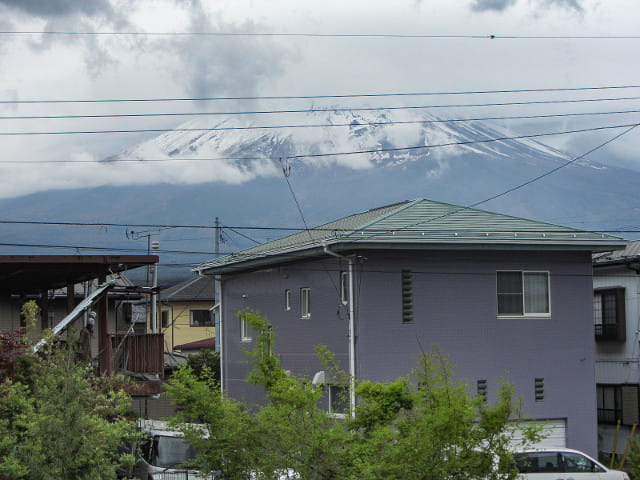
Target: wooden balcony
{"x":141,"y":353}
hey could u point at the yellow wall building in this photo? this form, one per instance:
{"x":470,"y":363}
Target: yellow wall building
{"x":187,"y":312}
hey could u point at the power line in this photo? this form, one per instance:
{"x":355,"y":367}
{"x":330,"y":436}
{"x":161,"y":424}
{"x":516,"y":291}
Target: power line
{"x":320,"y":35}
{"x":288,"y":111}
{"x":234,"y":228}
{"x":313,"y":97}
{"x":517,"y":187}
{"x":260,"y":127}
{"x":318,"y":155}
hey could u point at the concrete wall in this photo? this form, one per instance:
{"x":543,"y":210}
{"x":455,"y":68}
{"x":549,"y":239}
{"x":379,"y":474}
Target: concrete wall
{"x":455,"y":308}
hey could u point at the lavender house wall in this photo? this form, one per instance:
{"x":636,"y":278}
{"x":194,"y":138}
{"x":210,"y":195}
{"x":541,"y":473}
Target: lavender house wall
{"x":455,"y":308}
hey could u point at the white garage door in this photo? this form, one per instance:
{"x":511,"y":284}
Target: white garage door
{"x":554,"y":430}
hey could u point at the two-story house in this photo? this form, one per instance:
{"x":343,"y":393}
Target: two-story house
{"x":503,"y":297}
{"x":616,"y":314}
{"x":188,"y":314}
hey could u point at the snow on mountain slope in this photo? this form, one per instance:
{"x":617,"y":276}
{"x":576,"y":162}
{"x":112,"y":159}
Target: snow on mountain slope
{"x":233,"y":150}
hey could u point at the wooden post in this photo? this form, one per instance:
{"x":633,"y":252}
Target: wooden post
{"x":71,"y":301}
{"x":44,"y":310}
{"x":626,"y":450}
{"x":103,"y":338}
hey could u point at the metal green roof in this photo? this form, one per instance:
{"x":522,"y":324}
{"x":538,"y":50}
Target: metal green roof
{"x":418,"y":224}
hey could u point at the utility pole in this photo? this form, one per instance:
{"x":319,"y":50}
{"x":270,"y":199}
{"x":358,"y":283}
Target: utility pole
{"x":216,"y":242}
{"x":217,"y":299}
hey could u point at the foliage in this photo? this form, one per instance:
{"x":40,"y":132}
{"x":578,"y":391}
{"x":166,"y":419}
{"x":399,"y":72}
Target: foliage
{"x":58,"y":422}
{"x":225,"y":436}
{"x":204,"y":363}
{"x":425,"y":425}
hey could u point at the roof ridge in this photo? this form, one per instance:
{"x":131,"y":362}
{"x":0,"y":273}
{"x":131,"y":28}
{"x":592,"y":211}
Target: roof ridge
{"x":403,"y":206}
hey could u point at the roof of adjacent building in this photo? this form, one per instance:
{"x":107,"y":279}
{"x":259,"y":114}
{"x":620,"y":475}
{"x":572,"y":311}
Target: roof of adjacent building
{"x":205,"y":343}
{"x":422,"y":224}
{"x":200,"y":288}
{"x":36,"y":273}
{"x":631,"y":253}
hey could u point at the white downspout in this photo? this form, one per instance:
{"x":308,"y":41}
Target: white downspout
{"x":352,"y":340}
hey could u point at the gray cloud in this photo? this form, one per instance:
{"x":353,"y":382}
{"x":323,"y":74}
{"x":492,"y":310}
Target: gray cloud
{"x":226,"y":65}
{"x":491,"y":5}
{"x":60,"y":8}
{"x":568,"y":4}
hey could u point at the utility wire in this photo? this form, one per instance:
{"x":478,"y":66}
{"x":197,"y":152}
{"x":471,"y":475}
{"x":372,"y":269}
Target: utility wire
{"x":517,"y":187}
{"x":234,"y":228}
{"x":314,"y":97}
{"x":319,"y":35}
{"x":312,"y":125}
{"x":318,"y":155}
{"x":291,"y":111}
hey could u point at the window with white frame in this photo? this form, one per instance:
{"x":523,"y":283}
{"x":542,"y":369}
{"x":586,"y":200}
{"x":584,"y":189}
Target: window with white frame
{"x":305,"y":302}
{"x":523,"y":293}
{"x":344,"y":287}
{"x":287,"y":300}
{"x":245,"y":331}
{"x":200,"y":318}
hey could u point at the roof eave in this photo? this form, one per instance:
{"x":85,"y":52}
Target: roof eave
{"x":272,"y":259}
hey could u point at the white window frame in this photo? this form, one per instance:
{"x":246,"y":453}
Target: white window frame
{"x":245,"y":331}
{"x":344,"y":287}
{"x":524,"y":313}
{"x":192,"y":323}
{"x":287,"y":300}
{"x":305,"y":302}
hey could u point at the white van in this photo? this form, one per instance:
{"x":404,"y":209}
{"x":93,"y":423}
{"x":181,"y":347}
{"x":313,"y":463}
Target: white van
{"x":562,"y":464}
{"x":165,"y":454}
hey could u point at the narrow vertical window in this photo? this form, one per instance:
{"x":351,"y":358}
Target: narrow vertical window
{"x":481,"y":386}
{"x":245,"y":335}
{"x":539,"y":389}
{"x":305,"y":302}
{"x":164,"y":316}
{"x":407,"y":296}
{"x":287,"y":300}
{"x":344,"y":287}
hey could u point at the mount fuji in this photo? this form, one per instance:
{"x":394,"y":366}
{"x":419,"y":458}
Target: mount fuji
{"x":244,"y":173}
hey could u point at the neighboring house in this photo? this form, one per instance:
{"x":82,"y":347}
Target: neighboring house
{"x":187,"y":312}
{"x":65,"y":287}
{"x":616,"y":284}
{"x":503,"y":297}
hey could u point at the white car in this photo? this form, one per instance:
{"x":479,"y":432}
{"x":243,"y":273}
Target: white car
{"x":563,"y":464}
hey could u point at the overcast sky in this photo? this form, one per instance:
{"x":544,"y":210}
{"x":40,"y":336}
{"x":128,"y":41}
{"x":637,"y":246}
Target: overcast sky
{"x":75,"y":67}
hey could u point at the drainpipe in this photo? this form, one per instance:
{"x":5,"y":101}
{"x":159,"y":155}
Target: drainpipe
{"x":352,"y":341}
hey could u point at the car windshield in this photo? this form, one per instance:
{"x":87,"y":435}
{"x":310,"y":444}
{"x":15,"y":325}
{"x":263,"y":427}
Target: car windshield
{"x":171,"y":451}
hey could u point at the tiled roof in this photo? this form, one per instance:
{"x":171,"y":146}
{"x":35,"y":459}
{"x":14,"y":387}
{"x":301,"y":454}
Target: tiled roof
{"x":199,"y":288}
{"x":630,"y":253}
{"x":198,"y":344}
{"x":423,"y":224}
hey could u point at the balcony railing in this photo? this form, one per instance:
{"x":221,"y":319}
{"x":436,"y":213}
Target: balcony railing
{"x":141,"y":353}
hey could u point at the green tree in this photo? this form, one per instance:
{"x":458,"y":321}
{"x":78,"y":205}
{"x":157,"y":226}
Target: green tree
{"x":59,"y":422}
{"x":424,"y":426}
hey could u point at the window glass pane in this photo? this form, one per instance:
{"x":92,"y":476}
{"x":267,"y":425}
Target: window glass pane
{"x":344,"y":287}
{"x":536,"y":292}
{"x":597,"y":309}
{"x":510,"y":293}
{"x":575,"y":463}
{"x":201,"y":318}
{"x":510,"y":282}
{"x":339,"y":399}
{"x":609,"y":313}
{"x":305,"y":302}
